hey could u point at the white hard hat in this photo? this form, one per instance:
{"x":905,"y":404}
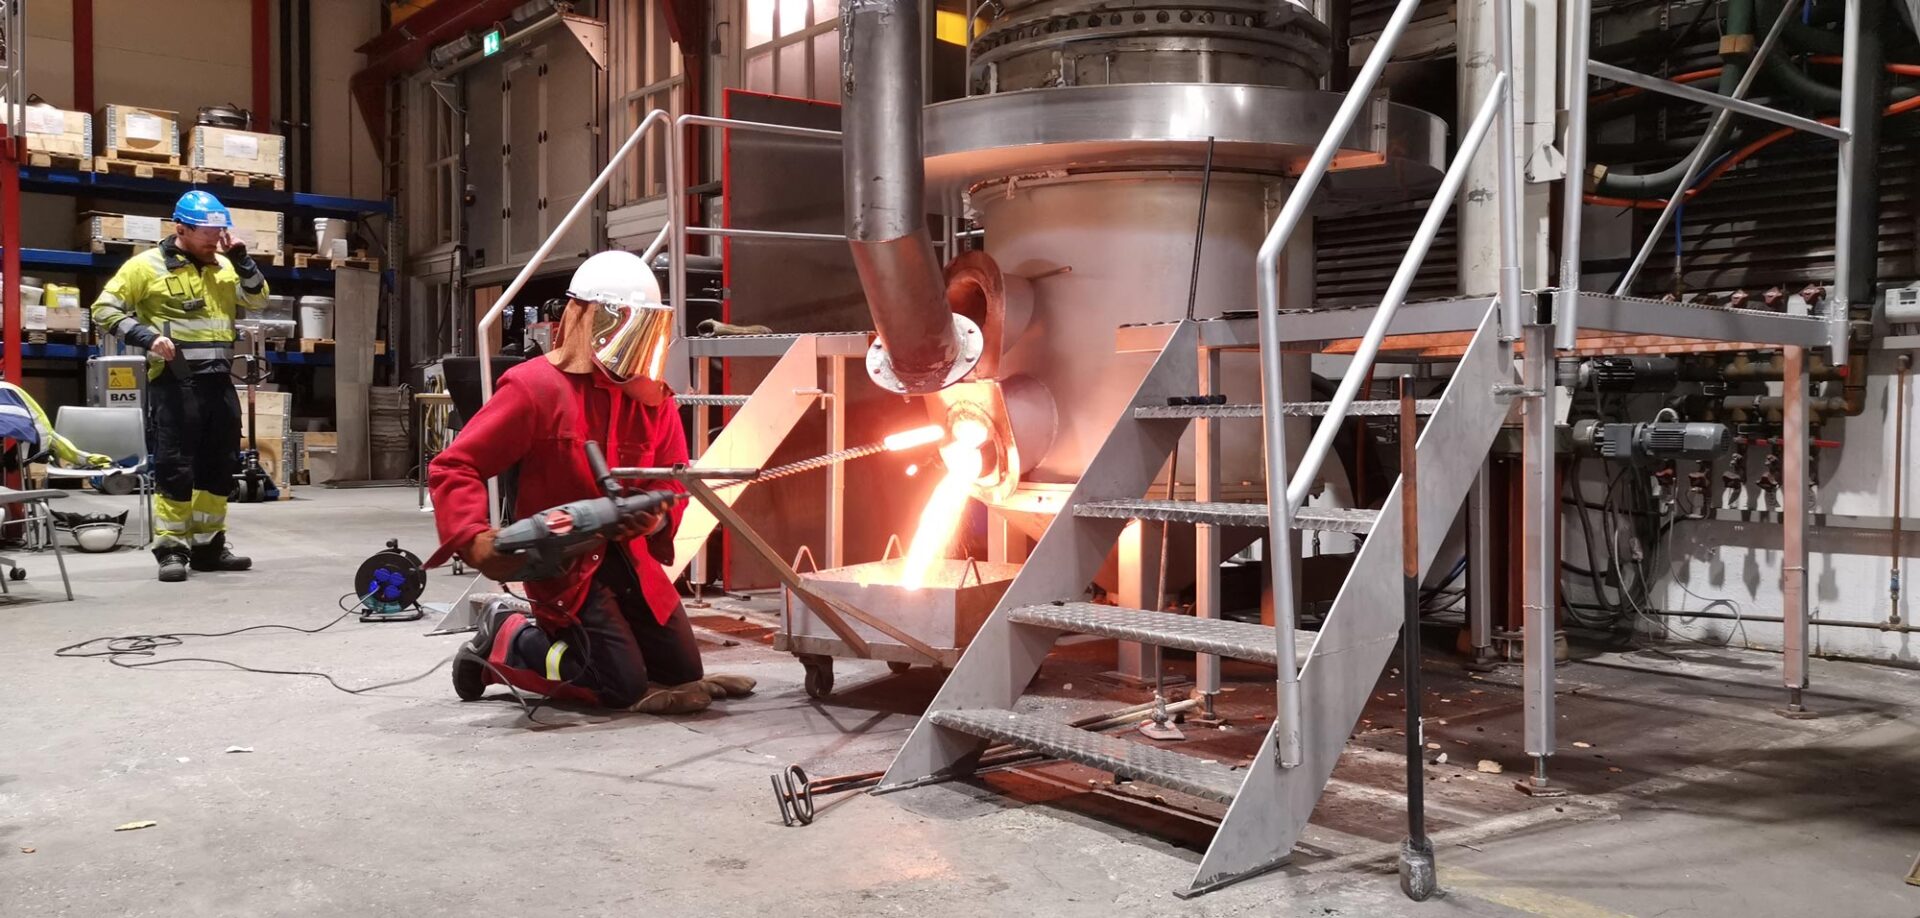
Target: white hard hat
{"x":616,"y":279}
{"x":97,"y":537}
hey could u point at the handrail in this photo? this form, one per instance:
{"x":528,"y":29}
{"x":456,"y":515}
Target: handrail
{"x":1279,"y":514}
{"x":1329,"y":428}
{"x":677,"y":197}
{"x":585,"y":203}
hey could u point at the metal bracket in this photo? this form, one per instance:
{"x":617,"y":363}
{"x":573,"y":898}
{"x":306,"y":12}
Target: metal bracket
{"x":1507,"y":392}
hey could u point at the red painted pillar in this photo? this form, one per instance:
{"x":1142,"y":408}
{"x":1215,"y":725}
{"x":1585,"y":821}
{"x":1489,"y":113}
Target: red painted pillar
{"x":83,"y":56}
{"x":262,"y":67}
{"x":10,"y":263}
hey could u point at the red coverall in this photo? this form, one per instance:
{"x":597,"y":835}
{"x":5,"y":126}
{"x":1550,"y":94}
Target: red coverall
{"x":538,"y":419}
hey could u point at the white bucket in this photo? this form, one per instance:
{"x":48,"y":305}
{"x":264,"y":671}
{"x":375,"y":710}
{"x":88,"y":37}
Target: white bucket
{"x":329,"y":236}
{"x":316,"y":317}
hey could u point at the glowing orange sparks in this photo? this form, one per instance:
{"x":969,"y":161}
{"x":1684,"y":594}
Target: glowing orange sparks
{"x":919,"y":436}
{"x":942,"y":514}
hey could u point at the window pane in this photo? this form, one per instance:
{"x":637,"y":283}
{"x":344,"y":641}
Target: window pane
{"x":825,"y":11}
{"x":792,"y":78}
{"x":759,"y":22}
{"x":760,"y":73}
{"x":660,"y":52}
{"x":826,"y":67}
{"x":793,"y":16}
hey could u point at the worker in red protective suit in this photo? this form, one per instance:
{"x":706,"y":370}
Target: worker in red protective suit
{"x":611,"y":631}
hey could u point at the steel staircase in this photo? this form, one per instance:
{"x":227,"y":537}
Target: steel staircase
{"x":1323,"y":678}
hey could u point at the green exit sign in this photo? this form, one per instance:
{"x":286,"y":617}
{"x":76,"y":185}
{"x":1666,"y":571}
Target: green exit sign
{"x":490,"y":44}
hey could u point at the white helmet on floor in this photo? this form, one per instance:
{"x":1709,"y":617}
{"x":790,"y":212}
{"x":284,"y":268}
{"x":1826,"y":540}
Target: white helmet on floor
{"x":631,"y":327}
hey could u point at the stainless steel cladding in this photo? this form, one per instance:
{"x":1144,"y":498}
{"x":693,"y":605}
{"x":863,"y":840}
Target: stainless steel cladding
{"x":1032,"y":44}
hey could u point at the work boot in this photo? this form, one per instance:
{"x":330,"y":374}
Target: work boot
{"x":722,"y":685}
{"x":215,"y":556}
{"x":173,"y":564}
{"x":470,"y":661}
{"x":690,"y":698}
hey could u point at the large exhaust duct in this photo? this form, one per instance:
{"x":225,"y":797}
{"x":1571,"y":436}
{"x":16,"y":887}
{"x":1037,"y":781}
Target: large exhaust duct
{"x":923,"y":346}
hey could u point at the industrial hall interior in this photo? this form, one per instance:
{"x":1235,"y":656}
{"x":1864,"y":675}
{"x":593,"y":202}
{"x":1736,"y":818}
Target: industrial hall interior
{"x":821,"y":458}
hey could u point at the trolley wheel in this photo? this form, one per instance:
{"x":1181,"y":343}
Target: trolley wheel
{"x":819,"y":681}
{"x":18,"y":573}
{"x":898,"y":667}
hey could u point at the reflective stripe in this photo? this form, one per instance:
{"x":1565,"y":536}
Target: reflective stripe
{"x":554,"y":654}
{"x":164,"y":525}
{"x":254,"y":283}
{"x":204,"y":538}
{"x":206,"y":351}
{"x":111,"y":300}
{"x":217,"y":328}
{"x":125,"y":325}
{"x":19,"y":411}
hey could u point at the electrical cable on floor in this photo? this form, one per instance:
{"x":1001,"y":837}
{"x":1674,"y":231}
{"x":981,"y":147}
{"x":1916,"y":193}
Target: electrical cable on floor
{"x":121,"y":650}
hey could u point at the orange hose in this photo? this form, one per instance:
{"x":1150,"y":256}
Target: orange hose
{"x":1625,"y":91}
{"x":1835,"y":60}
{"x":1743,"y":154}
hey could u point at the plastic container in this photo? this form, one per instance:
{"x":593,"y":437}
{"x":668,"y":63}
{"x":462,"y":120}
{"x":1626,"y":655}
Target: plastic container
{"x":280,"y":308}
{"x":316,"y":317}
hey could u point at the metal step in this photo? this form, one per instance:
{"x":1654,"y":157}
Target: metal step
{"x":1252,"y":516}
{"x":1208,"y":778}
{"x":693,"y":400}
{"x":1236,"y":640}
{"x":1370,"y":408}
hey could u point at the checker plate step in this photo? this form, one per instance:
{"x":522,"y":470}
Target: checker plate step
{"x":1236,"y":640}
{"x":1206,"y":778}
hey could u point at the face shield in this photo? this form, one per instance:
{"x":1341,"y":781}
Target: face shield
{"x":631,"y":341}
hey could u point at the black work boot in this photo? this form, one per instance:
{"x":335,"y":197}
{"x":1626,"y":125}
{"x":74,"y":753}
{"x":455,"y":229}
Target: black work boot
{"x":214,"y":556}
{"x":470,"y":661}
{"x":173,"y":564}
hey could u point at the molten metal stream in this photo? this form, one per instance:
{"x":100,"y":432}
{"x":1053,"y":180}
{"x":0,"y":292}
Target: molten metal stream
{"x":941,"y":517}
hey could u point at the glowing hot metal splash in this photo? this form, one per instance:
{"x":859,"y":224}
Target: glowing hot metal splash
{"x":942,"y":514}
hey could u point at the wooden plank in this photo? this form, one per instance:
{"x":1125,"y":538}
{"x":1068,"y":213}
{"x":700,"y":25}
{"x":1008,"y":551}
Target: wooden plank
{"x":356,"y":308}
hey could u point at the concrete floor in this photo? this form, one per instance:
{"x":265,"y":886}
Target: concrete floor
{"x":1692,"y":797}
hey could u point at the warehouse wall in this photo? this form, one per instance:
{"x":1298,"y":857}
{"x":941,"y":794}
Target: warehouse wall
{"x":187,"y":53}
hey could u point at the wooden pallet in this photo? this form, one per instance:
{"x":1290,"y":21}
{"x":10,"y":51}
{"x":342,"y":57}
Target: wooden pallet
{"x":58,"y":161}
{"x":238,"y":179}
{"x":313,"y":345}
{"x":311,"y":260}
{"x":43,"y":336}
{"x":119,"y":246}
{"x":111,"y":165}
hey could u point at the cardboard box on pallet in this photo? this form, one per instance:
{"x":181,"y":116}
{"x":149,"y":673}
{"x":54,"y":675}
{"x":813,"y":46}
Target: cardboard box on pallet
{"x":58,"y":133}
{"x":227,"y":150}
{"x":134,"y":133}
{"x":123,"y":229}
{"x":264,"y":231}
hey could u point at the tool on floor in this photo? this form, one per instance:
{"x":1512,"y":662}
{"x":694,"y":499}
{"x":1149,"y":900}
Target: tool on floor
{"x":1417,"y":873}
{"x":389,"y":585}
{"x":546,"y":541}
{"x":794,"y":790}
{"x":253,"y":484}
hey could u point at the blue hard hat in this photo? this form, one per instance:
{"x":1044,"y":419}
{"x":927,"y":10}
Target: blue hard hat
{"x":198,"y":208}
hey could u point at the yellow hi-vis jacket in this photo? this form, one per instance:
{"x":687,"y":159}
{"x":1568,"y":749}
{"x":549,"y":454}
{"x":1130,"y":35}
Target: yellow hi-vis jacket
{"x":162,"y":292}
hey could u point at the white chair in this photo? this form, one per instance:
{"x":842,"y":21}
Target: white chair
{"x":117,"y":432}
{"x":39,"y":514}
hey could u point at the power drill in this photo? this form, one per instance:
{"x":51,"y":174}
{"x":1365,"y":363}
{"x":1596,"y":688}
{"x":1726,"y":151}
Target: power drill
{"x":549,"y":540}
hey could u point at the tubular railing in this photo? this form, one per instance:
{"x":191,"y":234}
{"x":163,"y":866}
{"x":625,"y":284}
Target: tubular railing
{"x":1283,"y":504}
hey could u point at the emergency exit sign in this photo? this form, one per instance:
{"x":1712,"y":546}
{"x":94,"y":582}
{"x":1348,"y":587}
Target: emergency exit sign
{"x":490,"y":44}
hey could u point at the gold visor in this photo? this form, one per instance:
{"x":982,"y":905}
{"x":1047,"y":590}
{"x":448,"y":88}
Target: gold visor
{"x":631,"y":341}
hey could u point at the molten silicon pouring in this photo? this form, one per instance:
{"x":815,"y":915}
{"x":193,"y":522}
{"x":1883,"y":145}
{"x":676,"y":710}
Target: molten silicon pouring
{"x":941,"y":517}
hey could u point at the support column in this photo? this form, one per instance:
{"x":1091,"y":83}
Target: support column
{"x":836,"y":406}
{"x":1139,"y":564}
{"x":1480,"y":585}
{"x":1539,"y":557}
{"x":1793,"y":540}
{"x":1206,"y":537}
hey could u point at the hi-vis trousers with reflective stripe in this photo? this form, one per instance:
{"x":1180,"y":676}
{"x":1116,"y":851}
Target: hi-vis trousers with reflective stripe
{"x":194,"y":426}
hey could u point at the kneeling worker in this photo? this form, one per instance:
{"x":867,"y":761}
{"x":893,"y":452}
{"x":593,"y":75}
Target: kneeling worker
{"x":178,"y":302}
{"x":611,"y":631}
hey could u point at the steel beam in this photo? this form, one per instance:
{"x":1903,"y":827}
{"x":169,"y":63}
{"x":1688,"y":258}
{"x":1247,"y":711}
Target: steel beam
{"x":1793,"y":536}
{"x":1539,"y":559}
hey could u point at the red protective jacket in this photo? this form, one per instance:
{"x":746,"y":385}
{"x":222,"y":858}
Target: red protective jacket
{"x":535,"y":420}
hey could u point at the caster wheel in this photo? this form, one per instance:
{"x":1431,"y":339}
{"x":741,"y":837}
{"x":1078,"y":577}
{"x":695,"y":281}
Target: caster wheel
{"x":819,"y":680}
{"x":897,"y":667}
{"x":18,"y":573}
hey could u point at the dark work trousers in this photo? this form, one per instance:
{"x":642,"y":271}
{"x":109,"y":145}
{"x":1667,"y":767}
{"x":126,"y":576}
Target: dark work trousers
{"x":618,"y":647}
{"x":193,"y":428}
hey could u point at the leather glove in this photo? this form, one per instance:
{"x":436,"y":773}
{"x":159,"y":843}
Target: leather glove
{"x":480,"y":556}
{"x":639,"y":527}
